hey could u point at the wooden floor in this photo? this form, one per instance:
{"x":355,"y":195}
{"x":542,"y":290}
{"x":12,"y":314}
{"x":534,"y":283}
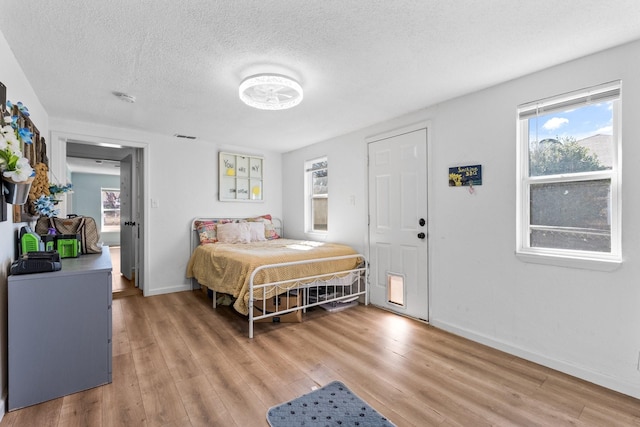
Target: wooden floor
{"x":121,"y":286}
{"x":178,"y":362}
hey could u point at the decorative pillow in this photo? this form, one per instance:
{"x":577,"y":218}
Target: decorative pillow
{"x":236,"y":232}
{"x":269,"y":229}
{"x":206,"y":231}
{"x":256,"y":230}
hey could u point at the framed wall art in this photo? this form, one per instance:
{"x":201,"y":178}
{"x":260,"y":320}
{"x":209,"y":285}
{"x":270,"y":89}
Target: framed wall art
{"x":241,"y":178}
{"x":465,"y":176}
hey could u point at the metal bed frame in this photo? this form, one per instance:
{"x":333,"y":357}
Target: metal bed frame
{"x":329,"y":288}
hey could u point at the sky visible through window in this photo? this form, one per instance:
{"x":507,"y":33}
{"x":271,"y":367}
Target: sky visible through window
{"x":580,"y":123}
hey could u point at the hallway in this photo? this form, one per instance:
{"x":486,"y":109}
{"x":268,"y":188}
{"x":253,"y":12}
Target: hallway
{"x":121,"y":286}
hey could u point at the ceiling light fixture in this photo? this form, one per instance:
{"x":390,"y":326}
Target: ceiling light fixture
{"x":270,"y":92}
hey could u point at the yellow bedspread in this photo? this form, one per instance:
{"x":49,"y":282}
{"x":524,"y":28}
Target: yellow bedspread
{"x":227,"y":268}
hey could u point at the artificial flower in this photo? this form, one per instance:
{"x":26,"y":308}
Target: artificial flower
{"x":12,"y":164}
{"x":44,"y":206}
{"x":55,"y":189}
{"x":25,"y":135}
{"x":21,"y":107}
{"x":21,"y":171}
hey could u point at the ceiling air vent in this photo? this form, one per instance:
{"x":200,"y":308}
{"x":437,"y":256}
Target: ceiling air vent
{"x":177,"y":135}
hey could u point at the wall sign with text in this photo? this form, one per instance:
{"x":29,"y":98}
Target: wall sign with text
{"x":241,"y":178}
{"x":461,"y":176}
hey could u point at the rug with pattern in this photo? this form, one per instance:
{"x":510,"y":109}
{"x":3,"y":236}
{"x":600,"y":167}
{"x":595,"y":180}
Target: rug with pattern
{"x":332,"y":405}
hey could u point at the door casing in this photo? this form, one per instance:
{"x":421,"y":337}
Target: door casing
{"x":57,"y":166}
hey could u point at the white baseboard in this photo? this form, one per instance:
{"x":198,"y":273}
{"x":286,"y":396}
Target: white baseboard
{"x":168,"y":290}
{"x":616,"y":384}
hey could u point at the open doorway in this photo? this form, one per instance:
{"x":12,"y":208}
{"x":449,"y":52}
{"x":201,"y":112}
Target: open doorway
{"x":114,"y":199}
{"x":97,"y":194}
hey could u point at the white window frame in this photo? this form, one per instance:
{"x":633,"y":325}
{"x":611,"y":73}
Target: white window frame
{"x":107,"y":228}
{"x":309,"y":196}
{"x":605,"y":261}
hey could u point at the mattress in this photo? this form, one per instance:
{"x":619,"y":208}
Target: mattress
{"x":227,"y":268}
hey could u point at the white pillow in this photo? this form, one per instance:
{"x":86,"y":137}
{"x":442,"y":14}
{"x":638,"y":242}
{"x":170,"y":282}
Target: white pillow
{"x":235,"y":232}
{"x":257,"y":231}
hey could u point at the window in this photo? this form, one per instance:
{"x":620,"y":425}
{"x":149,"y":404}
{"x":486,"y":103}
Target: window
{"x":110,"y":209}
{"x":316,"y":195}
{"x":568,"y":195}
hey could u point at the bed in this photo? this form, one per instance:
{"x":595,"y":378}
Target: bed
{"x":269,"y":277}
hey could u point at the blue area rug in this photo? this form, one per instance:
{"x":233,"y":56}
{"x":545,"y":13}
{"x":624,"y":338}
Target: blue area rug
{"x":331,"y":405}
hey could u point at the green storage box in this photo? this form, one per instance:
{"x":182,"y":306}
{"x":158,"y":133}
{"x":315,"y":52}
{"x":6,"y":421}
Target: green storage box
{"x":30,"y":242}
{"x":68,"y":245}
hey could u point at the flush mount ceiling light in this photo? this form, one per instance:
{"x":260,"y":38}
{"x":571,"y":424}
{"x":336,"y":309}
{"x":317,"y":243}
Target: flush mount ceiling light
{"x":270,"y":92}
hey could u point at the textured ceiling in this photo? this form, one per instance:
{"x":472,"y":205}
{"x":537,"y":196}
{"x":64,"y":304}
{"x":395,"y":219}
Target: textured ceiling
{"x":360,"y":61}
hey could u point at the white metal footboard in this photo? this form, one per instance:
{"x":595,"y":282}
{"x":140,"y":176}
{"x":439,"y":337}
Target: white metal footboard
{"x":309,"y":291}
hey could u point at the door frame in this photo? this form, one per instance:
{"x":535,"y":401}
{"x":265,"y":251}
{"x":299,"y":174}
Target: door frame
{"x":424,"y":124}
{"x":57,"y":166}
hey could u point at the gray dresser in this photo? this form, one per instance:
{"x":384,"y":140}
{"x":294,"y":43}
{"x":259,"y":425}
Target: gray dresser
{"x":59,"y":330}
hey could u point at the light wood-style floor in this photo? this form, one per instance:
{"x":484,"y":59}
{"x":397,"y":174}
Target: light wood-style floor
{"x":178,"y":362}
{"x":121,"y":286}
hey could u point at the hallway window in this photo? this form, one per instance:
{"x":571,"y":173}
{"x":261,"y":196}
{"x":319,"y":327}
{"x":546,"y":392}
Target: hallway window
{"x":110,"y":209}
{"x":569,"y":176}
{"x":316,"y":195}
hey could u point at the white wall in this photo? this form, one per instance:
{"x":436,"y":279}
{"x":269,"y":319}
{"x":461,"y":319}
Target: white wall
{"x":18,"y":89}
{"x":347,"y":163}
{"x":182,"y":176}
{"x":582,"y":322}
{"x":586,"y":323}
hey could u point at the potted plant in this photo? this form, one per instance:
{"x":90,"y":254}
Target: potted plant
{"x":17,"y":173}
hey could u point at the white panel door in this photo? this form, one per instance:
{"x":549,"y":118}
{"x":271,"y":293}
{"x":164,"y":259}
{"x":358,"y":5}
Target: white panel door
{"x":397,"y":223}
{"x":128,"y":227}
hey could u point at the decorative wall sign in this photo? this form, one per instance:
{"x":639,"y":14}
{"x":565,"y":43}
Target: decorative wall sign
{"x":34,"y":151}
{"x":465,"y":176}
{"x":240,"y":178}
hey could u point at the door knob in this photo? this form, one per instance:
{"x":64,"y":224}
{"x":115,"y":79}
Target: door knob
{"x":422,"y":222}
{"x":421,"y":236}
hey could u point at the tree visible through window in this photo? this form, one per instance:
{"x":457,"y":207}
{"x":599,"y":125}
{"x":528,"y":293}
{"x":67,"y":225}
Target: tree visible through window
{"x":569,"y":204}
{"x":317,"y":195}
{"x":110,"y":207}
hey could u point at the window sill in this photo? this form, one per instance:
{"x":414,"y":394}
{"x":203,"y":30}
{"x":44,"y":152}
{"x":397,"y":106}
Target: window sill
{"x":316,"y":234}
{"x":569,"y":261}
